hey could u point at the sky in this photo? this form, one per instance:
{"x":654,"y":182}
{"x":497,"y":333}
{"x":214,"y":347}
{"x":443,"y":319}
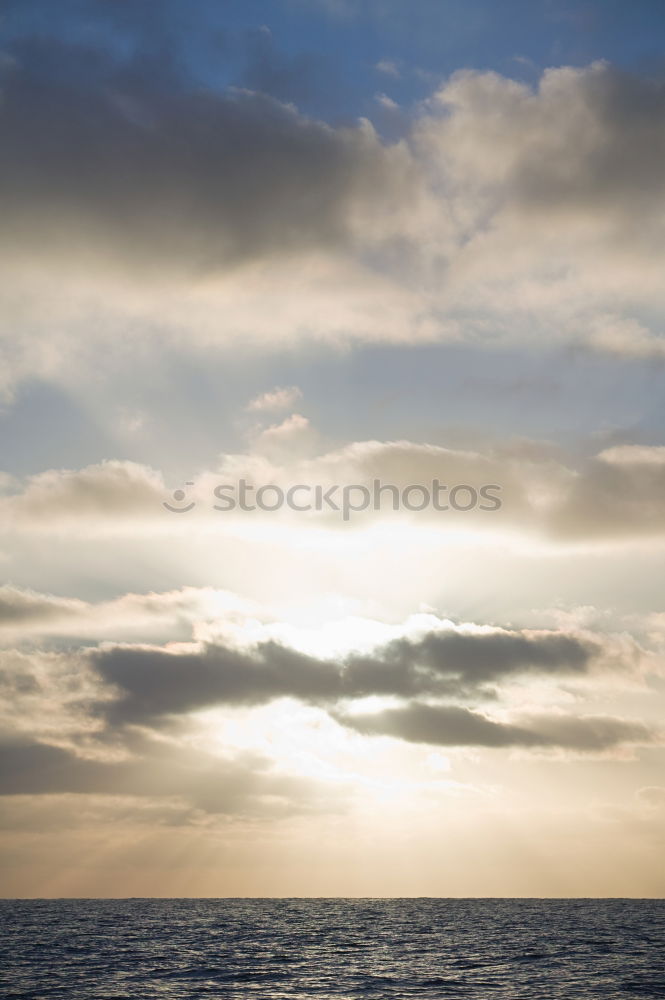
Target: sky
{"x":402,"y":259}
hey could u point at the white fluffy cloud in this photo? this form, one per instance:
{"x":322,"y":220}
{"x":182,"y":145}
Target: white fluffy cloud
{"x":279,"y":398}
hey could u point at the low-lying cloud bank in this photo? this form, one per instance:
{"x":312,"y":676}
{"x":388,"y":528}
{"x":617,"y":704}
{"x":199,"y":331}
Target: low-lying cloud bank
{"x":232,"y":784}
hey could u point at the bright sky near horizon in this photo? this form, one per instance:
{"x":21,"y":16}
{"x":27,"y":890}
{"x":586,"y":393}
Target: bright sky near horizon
{"x":325,"y":243}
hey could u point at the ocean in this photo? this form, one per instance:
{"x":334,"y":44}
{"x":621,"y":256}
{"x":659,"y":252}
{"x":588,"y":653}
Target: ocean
{"x":238,"y":949}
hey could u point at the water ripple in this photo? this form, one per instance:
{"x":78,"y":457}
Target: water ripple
{"x":237,"y":949}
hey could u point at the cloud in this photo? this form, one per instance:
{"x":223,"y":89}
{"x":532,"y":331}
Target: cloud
{"x":244,"y":785}
{"x":168,"y":615}
{"x":631,"y":455}
{"x":291,"y":436}
{"x":127,"y":719}
{"x":478,"y":657}
{"x":185,"y":180}
{"x":116,"y":497}
{"x":389,"y":67}
{"x":101,"y":496}
{"x":609,"y":497}
{"x":625,"y":337}
{"x":172,"y":208}
{"x":279,"y":398}
{"x":553,"y":191}
{"x":156,"y":682}
{"x":134,"y":199}
{"x":55,"y":740}
{"x":24,"y":607}
{"x":584,"y":141}
{"x":453,"y":726}
{"x":117,"y":487}
{"x":620,"y":492}
{"x":47,"y":696}
{"x":112,"y":685}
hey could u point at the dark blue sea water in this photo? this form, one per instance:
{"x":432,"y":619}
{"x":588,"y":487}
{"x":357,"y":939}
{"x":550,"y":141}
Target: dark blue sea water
{"x":238,"y":949}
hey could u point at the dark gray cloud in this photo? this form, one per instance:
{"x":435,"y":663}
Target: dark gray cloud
{"x":132,"y":162}
{"x":153,"y":686}
{"x":122,"y":710}
{"x":37,"y":768}
{"x":244,"y":784}
{"x":133,"y":154}
{"x":469,"y":659}
{"x":154,"y":682}
{"x":133,"y":195}
{"x":452,"y":726}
